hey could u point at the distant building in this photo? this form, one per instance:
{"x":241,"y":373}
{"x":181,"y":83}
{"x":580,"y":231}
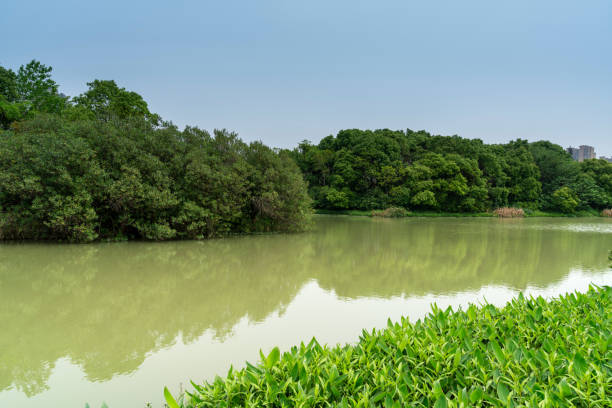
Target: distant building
{"x":573,"y":151}
{"x":582,"y":153}
{"x":606,"y":158}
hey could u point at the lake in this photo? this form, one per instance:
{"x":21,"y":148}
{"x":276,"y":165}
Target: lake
{"x":116,"y":322}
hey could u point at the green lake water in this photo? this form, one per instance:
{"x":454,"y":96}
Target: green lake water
{"x":118,"y":322}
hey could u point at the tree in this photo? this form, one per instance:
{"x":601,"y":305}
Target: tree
{"x":9,"y":112}
{"x":565,"y":200}
{"x":10,"y":109}
{"x":106,"y":101}
{"x":8,"y":84}
{"x":37,"y":90}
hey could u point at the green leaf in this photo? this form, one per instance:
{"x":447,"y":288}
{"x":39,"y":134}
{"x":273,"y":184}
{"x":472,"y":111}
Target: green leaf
{"x":564,"y":388}
{"x":498,"y":352}
{"x":170,"y":399}
{"x":502,"y":392}
{"x":441,"y":402}
{"x":476,"y":395}
{"x":272,"y":358}
{"x":457,"y":358}
{"x":437,"y":389}
{"x":538,"y":314}
{"x":579,"y":365}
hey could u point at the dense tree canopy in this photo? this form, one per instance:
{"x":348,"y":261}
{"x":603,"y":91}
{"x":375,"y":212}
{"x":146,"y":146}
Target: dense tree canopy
{"x":104,"y":167}
{"x":106,"y":101}
{"x":367,"y":170}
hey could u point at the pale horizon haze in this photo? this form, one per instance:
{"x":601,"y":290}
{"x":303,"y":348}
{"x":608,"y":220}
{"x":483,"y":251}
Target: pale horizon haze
{"x":282,"y":72}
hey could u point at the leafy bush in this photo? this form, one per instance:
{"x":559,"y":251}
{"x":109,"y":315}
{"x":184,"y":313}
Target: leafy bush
{"x":532,"y":353}
{"x":565,"y":200}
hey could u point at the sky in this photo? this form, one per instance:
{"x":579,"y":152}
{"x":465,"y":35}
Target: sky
{"x":285,"y":71}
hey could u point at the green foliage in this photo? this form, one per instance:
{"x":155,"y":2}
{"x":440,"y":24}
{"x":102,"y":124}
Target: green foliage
{"x":533,"y":352}
{"x":565,"y":200}
{"x":106,"y":101}
{"x":170,"y":399}
{"x":36,"y":88}
{"x":366,"y":170}
{"x":29,"y":91}
{"x":10,"y":112}
{"x":106,"y":167}
{"x":87,"y":179}
{"x":8,"y":84}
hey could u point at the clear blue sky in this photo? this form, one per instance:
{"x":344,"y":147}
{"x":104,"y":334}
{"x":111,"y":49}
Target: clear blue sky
{"x":284,"y":71}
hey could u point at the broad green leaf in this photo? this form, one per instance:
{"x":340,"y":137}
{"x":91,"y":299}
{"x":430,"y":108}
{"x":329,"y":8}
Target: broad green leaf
{"x":441,"y":402}
{"x":476,"y":395}
{"x":170,"y":399}
{"x":579,"y":364}
{"x":273,"y":357}
{"x":437,"y":389}
{"x":502,"y":392}
{"x":564,"y":389}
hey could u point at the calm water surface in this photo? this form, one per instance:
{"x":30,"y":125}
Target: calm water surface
{"x":117,"y":322}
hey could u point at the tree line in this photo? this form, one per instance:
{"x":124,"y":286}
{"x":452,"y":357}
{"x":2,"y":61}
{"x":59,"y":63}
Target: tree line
{"x":363,"y":169}
{"x":101,"y":165}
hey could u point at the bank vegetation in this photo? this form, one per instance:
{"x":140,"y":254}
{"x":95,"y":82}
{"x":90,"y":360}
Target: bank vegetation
{"x":532,"y":352}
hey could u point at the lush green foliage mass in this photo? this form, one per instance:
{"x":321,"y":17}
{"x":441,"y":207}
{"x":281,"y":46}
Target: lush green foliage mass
{"x":103,"y":166}
{"x":368,"y":170}
{"x":531,"y":353}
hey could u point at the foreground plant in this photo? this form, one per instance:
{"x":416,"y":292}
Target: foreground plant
{"x":531,"y":353}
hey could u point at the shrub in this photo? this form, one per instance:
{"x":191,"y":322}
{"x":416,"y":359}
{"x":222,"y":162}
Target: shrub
{"x":509,"y":212}
{"x":532,"y":352}
{"x":391,"y":212}
{"x":565,"y":200}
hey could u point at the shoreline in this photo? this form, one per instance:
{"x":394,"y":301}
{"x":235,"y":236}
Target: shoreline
{"x":433,"y":214}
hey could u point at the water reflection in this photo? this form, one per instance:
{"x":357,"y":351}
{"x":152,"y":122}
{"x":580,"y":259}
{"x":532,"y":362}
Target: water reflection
{"x":107,"y":307}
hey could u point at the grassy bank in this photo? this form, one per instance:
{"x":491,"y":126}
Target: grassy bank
{"x":528,"y":213}
{"x":368,"y":213}
{"x":532,"y":352}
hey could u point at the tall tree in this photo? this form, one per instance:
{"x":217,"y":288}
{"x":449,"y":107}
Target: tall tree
{"x":107,"y":101}
{"x":8,"y":84}
{"x":37,"y":90}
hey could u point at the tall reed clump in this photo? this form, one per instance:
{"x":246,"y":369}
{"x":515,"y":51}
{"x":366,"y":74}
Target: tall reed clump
{"x":532,"y":352}
{"x":509,"y":212}
{"x":607,"y":212}
{"x":391,"y":212}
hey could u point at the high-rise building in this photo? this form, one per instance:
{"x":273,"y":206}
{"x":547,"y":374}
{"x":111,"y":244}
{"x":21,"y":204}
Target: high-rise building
{"x":588,"y":152}
{"x":582,"y":153}
{"x":573,"y":151}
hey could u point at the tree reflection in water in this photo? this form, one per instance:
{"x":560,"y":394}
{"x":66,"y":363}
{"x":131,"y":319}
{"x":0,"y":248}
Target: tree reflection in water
{"x":107,"y":306}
